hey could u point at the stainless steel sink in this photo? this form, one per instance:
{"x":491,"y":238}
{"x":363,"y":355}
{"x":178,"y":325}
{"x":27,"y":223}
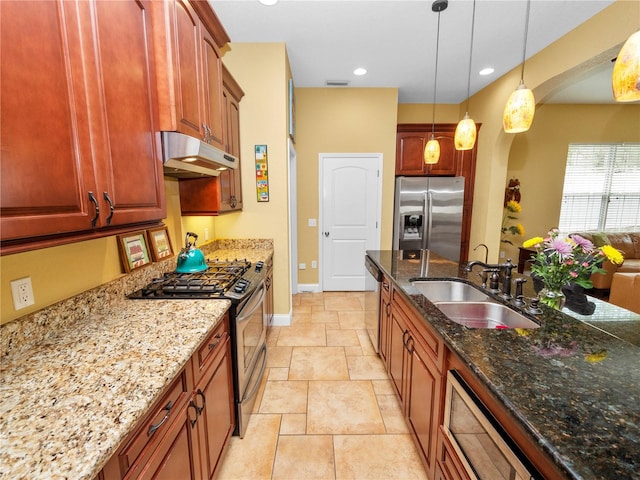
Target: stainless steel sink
{"x":449,"y":291}
{"x":484,"y":315}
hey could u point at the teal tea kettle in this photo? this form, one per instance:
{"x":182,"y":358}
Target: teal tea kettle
{"x":190,"y":258}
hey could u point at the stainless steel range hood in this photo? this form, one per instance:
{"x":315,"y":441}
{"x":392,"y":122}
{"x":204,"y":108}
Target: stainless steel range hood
{"x":188,"y":157}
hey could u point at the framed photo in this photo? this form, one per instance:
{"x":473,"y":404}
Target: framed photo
{"x":134,"y":251}
{"x":159,"y":243}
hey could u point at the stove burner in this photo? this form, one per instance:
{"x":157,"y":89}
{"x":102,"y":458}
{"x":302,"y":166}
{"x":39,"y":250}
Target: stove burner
{"x":222,"y":278}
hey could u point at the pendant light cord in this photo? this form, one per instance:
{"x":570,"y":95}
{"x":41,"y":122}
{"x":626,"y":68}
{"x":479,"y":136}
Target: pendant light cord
{"x":473,"y":21}
{"x":526,"y":32}
{"x":435,"y":79}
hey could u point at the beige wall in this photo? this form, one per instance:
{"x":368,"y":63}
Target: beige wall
{"x":538,"y":157}
{"x":341,"y":120}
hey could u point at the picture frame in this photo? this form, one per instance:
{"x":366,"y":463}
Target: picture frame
{"x":134,"y":250}
{"x":160,"y":243}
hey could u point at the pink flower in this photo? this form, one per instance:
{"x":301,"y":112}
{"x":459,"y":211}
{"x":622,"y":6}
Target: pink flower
{"x":585,"y":264}
{"x":573,"y":274}
{"x":562,"y":247}
{"x":586,"y":245}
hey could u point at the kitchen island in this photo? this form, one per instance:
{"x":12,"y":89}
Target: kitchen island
{"x":78,"y":376}
{"x":572,"y":385}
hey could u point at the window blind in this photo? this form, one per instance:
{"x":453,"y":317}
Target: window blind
{"x":601,"y":188}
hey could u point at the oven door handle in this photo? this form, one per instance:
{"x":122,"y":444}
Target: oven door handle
{"x":253,"y":390}
{"x":251,"y":309}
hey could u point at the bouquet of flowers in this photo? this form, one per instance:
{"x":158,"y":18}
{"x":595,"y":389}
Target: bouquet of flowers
{"x":510,"y":210}
{"x":560,"y":260}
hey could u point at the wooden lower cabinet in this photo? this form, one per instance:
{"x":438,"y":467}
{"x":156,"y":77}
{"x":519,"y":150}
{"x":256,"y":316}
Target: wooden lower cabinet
{"x":414,"y":364}
{"x":385,"y":318}
{"x":185,"y":433}
{"x":216,"y":422}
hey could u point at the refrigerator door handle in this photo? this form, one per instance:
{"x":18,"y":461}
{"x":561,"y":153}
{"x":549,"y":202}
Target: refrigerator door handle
{"x":426,"y":234}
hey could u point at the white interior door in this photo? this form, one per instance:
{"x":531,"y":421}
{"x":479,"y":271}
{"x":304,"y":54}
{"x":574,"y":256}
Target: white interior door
{"x":350,"y":210}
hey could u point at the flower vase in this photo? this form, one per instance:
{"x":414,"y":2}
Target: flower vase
{"x":555,"y":298}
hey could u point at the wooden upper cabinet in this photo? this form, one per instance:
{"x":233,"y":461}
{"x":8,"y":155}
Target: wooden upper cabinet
{"x":47,"y":168}
{"x":221,"y":194}
{"x":190,"y":69}
{"x":410,"y":143}
{"x":132,"y":181}
{"x":80,"y":148}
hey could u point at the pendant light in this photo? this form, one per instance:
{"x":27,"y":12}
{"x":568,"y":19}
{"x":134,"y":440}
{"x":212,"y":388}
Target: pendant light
{"x":432,"y":148}
{"x":466,"y":132}
{"x":626,"y":71}
{"x":521,"y":106}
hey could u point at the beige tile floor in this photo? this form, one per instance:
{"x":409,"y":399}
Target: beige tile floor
{"x":326,"y":408}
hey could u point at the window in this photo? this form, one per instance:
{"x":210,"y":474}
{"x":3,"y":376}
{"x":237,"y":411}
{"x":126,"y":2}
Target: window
{"x":601,"y":188}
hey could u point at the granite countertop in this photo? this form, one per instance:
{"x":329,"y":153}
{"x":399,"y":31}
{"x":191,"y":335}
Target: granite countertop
{"x":77,"y":376}
{"x":573,"y":384}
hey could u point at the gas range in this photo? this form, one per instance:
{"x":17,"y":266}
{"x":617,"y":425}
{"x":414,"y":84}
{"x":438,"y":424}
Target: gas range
{"x":229,"y":279}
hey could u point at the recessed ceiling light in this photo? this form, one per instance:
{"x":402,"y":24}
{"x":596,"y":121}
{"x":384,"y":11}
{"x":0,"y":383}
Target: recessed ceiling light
{"x":268,"y":2}
{"x":486,"y":71}
{"x":360,"y":71}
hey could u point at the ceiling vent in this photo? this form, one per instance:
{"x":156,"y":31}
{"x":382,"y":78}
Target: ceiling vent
{"x":337,"y":83}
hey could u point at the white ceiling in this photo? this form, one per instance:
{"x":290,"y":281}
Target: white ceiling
{"x":395,"y":40}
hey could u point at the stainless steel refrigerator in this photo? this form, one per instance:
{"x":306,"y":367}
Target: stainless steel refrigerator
{"x":428,"y":215}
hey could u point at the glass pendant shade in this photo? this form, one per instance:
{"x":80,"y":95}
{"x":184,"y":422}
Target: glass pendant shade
{"x":626,"y":71}
{"x":519,"y":110}
{"x":465,"y":136}
{"x":432,"y":151}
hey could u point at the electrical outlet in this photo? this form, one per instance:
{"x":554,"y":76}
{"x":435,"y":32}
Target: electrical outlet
{"x":502,"y":254}
{"x":206,"y":234}
{"x":22,"y":293}
{"x":312,"y":222}
{"x":314,"y":264}
{"x":302,"y":266}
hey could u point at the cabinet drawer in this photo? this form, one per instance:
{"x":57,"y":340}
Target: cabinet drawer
{"x":151,"y":431}
{"x":448,"y":461}
{"x":212,"y":345}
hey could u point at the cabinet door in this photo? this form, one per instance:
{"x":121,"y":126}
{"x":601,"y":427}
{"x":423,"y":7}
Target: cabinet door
{"x":175,"y":457}
{"x":397,"y":334}
{"x":424,"y":399}
{"x":447,"y":162}
{"x":410,"y":153}
{"x":217,"y":419}
{"x":212,"y":79}
{"x":46,"y":168}
{"x":132,"y":182}
{"x":187,"y":74}
{"x":385,"y":319}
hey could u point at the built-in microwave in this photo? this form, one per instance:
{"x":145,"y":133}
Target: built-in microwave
{"x":482,"y":445}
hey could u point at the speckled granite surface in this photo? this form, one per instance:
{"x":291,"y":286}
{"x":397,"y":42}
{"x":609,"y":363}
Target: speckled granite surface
{"x":78,"y":375}
{"x":574,"y":387}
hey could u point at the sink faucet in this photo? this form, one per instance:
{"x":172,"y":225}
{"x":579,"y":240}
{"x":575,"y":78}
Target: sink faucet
{"x":505,"y":267}
{"x":486,"y":251}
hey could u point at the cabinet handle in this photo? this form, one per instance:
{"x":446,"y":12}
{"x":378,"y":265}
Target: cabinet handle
{"x":387,"y":308}
{"x":111,"y":207}
{"x":410,"y":345}
{"x":199,"y":393}
{"x":195,"y":420}
{"x":155,"y":427}
{"x":93,"y":200}
{"x":218,"y":337}
{"x":233,"y":202}
{"x":404,"y":334}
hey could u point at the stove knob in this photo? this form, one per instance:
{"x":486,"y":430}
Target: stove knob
{"x":259,"y":266}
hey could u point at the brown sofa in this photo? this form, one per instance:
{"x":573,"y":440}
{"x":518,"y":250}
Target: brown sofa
{"x":627,"y":243}
{"x":625,"y":291}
